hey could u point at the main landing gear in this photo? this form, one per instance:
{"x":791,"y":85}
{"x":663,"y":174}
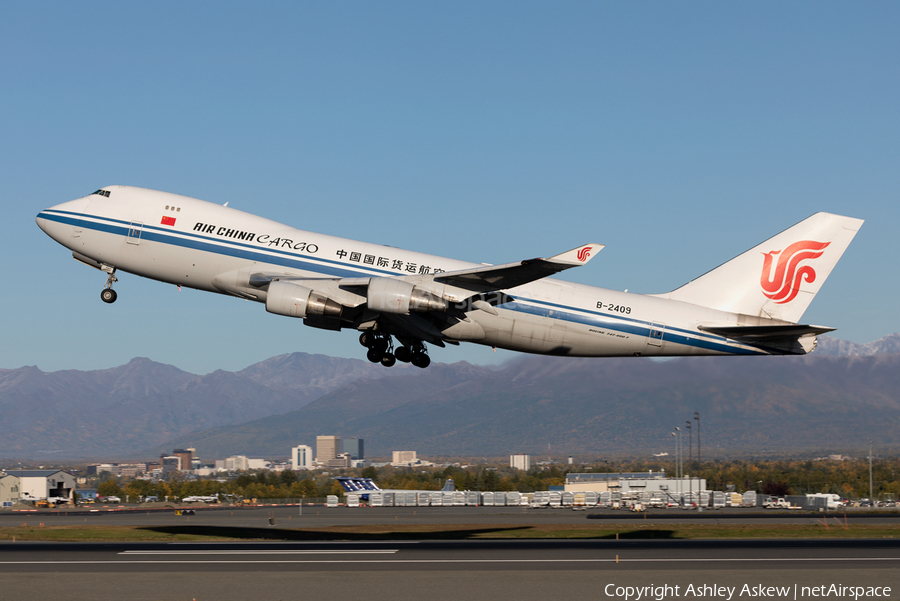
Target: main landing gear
{"x":108,"y":295}
{"x":381,"y":350}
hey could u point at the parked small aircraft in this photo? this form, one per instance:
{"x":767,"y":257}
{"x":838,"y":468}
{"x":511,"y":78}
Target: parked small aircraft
{"x":750,"y":305}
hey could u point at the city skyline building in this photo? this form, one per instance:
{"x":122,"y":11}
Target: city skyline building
{"x":302,"y":457}
{"x":355,"y":446}
{"x":327,"y":448}
{"x":520,"y":461}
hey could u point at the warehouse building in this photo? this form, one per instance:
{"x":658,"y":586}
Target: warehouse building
{"x":44,"y":484}
{"x":632,"y":482}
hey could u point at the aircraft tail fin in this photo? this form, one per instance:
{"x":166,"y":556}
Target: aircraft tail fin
{"x":449,"y":486}
{"x":778,"y":278}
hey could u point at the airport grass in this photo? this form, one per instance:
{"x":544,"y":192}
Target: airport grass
{"x":397,"y":532}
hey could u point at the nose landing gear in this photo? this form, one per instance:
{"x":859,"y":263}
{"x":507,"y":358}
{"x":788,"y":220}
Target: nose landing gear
{"x":108,"y":295}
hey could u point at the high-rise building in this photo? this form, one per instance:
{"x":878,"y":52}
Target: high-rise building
{"x":327,"y":448}
{"x":520,"y":461}
{"x":186,"y":457}
{"x":302,"y":457}
{"x":170,"y":463}
{"x":355,"y":447}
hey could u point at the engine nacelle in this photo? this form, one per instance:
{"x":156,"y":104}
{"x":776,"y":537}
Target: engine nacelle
{"x":292,"y":300}
{"x":388,"y":295}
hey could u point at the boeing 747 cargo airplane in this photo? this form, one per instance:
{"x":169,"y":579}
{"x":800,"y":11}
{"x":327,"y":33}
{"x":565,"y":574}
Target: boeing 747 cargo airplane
{"x":400,"y":300}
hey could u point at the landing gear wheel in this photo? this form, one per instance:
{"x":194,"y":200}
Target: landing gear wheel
{"x":388,"y":360}
{"x":108,"y":295}
{"x":374,"y":355}
{"x":421,"y":360}
{"x":381,"y":345}
{"x":366,"y":339}
{"x":402,"y":354}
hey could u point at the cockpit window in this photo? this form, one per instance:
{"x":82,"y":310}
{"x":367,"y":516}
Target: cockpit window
{"x":101,"y":193}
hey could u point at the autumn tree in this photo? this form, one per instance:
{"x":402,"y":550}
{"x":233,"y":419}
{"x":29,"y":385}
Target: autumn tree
{"x":109,"y":488}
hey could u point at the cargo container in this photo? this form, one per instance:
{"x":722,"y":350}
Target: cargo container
{"x":423,"y":499}
{"x":590,"y":498}
{"x":437,"y":499}
{"x":447,"y":499}
{"x":555,"y":498}
{"x":513,"y":498}
{"x":718,"y":499}
{"x":331,"y":501}
{"x":376,"y":499}
{"x":459,"y":498}
{"x":473,"y":498}
{"x":352,"y":500}
{"x":499,"y":499}
{"x":749,"y":499}
{"x":389,"y":498}
{"x":735,"y":499}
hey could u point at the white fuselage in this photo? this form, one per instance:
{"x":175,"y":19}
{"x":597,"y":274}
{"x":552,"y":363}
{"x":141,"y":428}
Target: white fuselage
{"x":201,"y":245}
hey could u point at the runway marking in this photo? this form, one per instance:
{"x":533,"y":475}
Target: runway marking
{"x":464,"y":561}
{"x":264,"y":552}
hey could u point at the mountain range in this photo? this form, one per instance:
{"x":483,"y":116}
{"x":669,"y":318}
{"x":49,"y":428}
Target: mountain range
{"x":818,"y":403}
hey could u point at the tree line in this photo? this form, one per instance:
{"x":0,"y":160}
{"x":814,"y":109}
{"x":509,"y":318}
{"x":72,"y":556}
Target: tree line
{"x":849,"y":478}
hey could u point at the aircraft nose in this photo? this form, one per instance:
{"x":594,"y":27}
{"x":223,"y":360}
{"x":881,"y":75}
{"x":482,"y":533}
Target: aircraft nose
{"x":57,"y":221}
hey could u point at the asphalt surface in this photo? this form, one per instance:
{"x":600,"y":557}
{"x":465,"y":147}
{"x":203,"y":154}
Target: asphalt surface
{"x":435,"y":570}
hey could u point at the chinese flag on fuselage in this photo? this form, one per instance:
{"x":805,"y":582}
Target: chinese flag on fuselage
{"x":168,"y":221}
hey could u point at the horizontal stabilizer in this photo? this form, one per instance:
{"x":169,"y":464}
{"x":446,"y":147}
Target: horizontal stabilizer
{"x":510,"y":275}
{"x":757,"y":334}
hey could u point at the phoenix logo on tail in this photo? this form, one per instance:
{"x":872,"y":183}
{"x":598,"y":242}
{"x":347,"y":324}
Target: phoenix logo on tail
{"x":784,"y":284}
{"x":584,"y":253}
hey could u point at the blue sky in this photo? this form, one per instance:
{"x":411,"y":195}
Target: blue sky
{"x":678,"y":134}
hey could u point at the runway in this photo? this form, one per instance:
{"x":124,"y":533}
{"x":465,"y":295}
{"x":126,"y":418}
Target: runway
{"x":434,"y":570}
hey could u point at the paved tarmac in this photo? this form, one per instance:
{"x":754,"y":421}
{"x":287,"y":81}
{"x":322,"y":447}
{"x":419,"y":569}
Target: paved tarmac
{"x":433,"y":570}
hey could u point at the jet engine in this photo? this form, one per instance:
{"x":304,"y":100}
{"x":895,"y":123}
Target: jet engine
{"x":292,"y":300}
{"x":387,"y":295}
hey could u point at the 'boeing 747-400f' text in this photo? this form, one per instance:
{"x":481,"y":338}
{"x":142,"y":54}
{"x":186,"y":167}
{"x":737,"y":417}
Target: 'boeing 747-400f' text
{"x":400,"y":300}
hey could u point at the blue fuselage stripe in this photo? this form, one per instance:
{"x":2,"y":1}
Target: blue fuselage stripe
{"x":331,"y":268}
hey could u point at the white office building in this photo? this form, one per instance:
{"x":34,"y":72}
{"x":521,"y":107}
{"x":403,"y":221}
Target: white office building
{"x":520,"y":461}
{"x":302,"y":457}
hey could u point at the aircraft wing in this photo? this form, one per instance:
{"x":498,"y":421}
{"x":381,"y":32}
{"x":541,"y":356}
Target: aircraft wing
{"x":510,"y":275}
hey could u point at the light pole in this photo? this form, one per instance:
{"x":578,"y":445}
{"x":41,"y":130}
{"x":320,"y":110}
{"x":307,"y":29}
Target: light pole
{"x":871,"y":496}
{"x":697,"y":417}
{"x":678,"y":460}
{"x":690,"y":445}
{"x":690,"y":459}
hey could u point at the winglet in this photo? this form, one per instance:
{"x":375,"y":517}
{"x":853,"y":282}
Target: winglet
{"x":577,"y":256}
